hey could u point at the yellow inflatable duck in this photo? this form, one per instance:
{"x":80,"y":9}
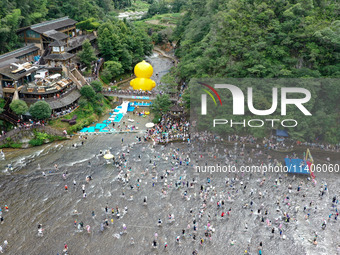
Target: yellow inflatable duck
{"x":143,"y":71}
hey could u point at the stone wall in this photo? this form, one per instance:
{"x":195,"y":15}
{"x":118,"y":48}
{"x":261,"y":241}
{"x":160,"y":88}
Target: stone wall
{"x":24,"y":135}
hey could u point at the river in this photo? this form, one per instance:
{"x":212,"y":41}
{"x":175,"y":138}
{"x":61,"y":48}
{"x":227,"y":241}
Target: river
{"x":33,"y":199}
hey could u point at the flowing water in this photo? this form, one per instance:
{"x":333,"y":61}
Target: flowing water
{"x":35,"y":199}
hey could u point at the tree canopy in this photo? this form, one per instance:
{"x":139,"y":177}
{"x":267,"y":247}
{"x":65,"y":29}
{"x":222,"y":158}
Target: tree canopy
{"x":40,"y":110}
{"x":87,"y":55}
{"x":88,"y":92}
{"x":123,"y":42}
{"x":161,"y":104}
{"x":18,"y":106}
{"x":247,"y":38}
{"x":112,"y":69}
{"x":97,"y":85}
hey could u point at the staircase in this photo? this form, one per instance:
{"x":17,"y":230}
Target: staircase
{"x":9,"y":117}
{"x":46,"y":52}
{"x":75,"y":76}
{"x":98,"y":67}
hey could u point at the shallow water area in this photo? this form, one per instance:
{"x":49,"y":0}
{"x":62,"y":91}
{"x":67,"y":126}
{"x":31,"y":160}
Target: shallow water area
{"x":36,"y":199}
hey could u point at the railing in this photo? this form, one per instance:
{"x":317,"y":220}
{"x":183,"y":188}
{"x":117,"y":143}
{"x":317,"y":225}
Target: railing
{"x":127,"y":95}
{"x":50,"y":99}
{"x":9,"y":117}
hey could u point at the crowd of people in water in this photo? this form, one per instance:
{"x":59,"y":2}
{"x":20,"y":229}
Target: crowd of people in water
{"x":272,"y":203}
{"x":278,"y":206}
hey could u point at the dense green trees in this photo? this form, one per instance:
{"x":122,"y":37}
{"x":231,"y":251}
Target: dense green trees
{"x":88,"y":24}
{"x":168,"y":83}
{"x":121,"y":4}
{"x":88,"y":92}
{"x":161,"y":104}
{"x":248,"y":38}
{"x":87,"y":55}
{"x":112,"y":69}
{"x":122,"y":45}
{"x":18,"y":106}
{"x":40,"y":110}
{"x":97,"y":85}
{"x":9,"y":23}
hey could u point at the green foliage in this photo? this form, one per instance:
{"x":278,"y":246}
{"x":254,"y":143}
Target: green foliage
{"x":98,"y":110}
{"x":122,"y":42}
{"x":87,"y":54}
{"x":36,"y":142}
{"x":103,"y":76}
{"x":121,"y":4}
{"x":79,"y":9}
{"x":157,"y":38}
{"x":40,"y":110}
{"x":148,"y":27}
{"x":9,"y":23}
{"x":186,"y":99}
{"x":18,"y":106}
{"x":169,"y":83}
{"x":2,"y":103}
{"x":158,"y":7}
{"x":138,"y":5}
{"x":88,"y":25}
{"x":41,"y":138}
{"x":99,"y":97}
{"x":112,"y":69}
{"x":82,"y":102}
{"x":161,"y":104}
{"x":291,"y":38}
{"x":88,"y":92}
{"x":10,"y":144}
{"x":157,"y":118}
{"x":97,"y":85}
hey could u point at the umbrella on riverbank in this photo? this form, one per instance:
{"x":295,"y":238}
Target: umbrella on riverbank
{"x":108,"y":156}
{"x":149,"y":125}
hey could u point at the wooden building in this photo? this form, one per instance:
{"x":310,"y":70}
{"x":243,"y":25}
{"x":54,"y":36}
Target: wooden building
{"x":47,"y":32}
{"x":58,"y":55}
{"x":24,"y":54}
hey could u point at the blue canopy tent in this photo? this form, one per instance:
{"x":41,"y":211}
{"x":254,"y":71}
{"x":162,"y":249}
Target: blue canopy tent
{"x":281,"y":133}
{"x":297,"y":166}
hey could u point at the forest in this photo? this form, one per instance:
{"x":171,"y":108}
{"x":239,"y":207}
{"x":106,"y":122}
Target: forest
{"x":263,"y":39}
{"x":267,"y":38}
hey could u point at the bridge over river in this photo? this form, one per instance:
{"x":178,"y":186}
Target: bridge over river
{"x":127,"y":96}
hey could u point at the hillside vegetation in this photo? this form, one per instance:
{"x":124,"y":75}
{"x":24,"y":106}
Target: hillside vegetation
{"x":267,"y":38}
